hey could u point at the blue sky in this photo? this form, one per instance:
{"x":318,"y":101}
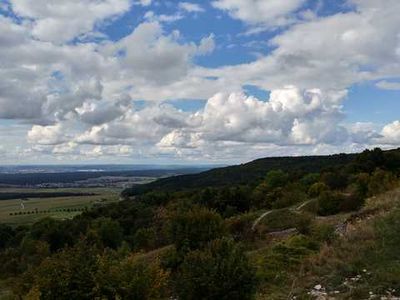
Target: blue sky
{"x":141,"y":81}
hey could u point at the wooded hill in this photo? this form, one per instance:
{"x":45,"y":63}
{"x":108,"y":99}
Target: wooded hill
{"x":253,"y":172}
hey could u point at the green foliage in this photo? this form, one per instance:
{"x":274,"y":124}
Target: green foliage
{"x":380,"y":181}
{"x":285,"y":219}
{"x":293,"y":193}
{"x":309,"y":179}
{"x":335,"y":180}
{"x":329,"y":203}
{"x":145,"y":238}
{"x":7,"y":234}
{"x":54,"y":232}
{"x":227,"y":201}
{"x":322,"y":232}
{"x":67,"y":275}
{"x":276,"y":178}
{"x":48,"y":260}
{"x":317,"y":189}
{"x":109,"y":232}
{"x":131,"y":278}
{"x":240,"y":227}
{"x":194,"y":228}
{"x":275,"y":263}
{"x":220,"y":271}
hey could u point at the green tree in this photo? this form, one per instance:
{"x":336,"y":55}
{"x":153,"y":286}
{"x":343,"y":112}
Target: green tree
{"x":220,"y":271}
{"x":276,"y":178}
{"x":132,"y":278}
{"x":6,"y":235}
{"x":317,"y":188}
{"x":109,"y":231}
{"x":194,"y":228}
{"x":329,"y":203}
{"x":69,"y":274}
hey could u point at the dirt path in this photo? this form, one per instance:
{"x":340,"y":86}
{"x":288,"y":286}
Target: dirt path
{"x":255,"y":223}
{"x":292,"y":209}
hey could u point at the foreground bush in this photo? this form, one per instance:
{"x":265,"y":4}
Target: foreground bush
{"x":221,"y":271}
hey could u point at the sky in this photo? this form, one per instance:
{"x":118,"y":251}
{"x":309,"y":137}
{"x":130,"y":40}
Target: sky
{"x":191,"y":82}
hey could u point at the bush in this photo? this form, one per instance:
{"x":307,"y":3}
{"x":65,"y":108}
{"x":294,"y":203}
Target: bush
{"x":329,"y":203}
{"x":285,"y":219}
{"x":194,"y":228}
{"x":221,"y":271}
{"x":132,"y":278}
{"x":276,"y":178}
{"x":381,"y":181}
{"x":145,"y":238}
{"x":290,"y":195}
{"x":240,"y":227}
{"x":322,"y":232}
{"x":317,"y":189}
{"x":69,"y":274}
{"x":109,"y":231}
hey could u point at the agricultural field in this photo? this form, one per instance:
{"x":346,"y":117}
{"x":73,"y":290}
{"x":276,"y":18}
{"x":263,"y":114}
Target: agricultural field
{"x":27,"y":210}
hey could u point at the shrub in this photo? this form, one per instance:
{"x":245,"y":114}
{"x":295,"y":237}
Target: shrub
{"x":131,"y":278}
{"x":276,"y":178}
{"x":329,"y":203}
{"x":317,"y":189}
{"x":145,"y":238}
{"x":194,"y":228}
{"x":109,"y":231}
{"x":221,"y":271}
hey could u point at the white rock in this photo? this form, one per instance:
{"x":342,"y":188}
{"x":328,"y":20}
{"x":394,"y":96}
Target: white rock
{"x":317,"y":287}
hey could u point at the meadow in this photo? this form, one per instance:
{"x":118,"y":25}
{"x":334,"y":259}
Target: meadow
{"x":29,"y":210}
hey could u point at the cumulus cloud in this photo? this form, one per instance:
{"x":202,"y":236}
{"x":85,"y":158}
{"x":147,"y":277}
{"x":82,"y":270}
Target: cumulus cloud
{"x":46,"y":135}
{"x":191,"y":7}
{"x":333,"y":52}
{"x":291,"y":116}
{"x":391,"y":133}
{"x":272,"y":12}
{"x":141,"y":127}
{"x":61,"y":21}
{"x":81,"y":98}
{"x":157,"y":58}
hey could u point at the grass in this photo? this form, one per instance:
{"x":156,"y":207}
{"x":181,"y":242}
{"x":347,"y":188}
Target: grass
{"x":59,"y":207}
{"x":365,"y":261}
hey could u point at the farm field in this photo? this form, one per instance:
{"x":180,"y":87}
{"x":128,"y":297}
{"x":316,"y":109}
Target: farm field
{"x":30,"y":210}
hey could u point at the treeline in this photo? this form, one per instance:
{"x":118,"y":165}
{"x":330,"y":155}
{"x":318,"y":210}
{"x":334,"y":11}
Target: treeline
{"x":245,"y":174}
{"x":70,"y":177}
{"x":38,"y":211}
{"x":27,"y":195}
{"x":192,"y":243}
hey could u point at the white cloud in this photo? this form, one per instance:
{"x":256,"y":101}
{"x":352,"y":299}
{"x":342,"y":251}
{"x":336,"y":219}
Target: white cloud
{"x":388,"y":85}
{"x":271,"y":12}
{"x":291,"y":116}
{"x":46,"y":135}
{"x":80,"y":98}
{"x":150,"y":16}
{"x":333,"y":52}
{"x":391,"y":133}
{"x":144,"y":2}
{"x":61,"y":21}
{"x":191,"y":7}
{"x":207,"y":45}
{"x":151,"y":57}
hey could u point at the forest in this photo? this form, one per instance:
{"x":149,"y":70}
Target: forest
{"x":275,"y":228}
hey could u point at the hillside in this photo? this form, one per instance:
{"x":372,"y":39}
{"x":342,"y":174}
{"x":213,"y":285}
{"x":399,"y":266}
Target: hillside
{"x":276,"y":228}
{"x":248,"y":173}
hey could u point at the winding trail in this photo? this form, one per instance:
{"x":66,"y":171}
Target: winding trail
{"x":292,"y":209}
{"x":255,"y":223}
{"x":302,"y":205}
